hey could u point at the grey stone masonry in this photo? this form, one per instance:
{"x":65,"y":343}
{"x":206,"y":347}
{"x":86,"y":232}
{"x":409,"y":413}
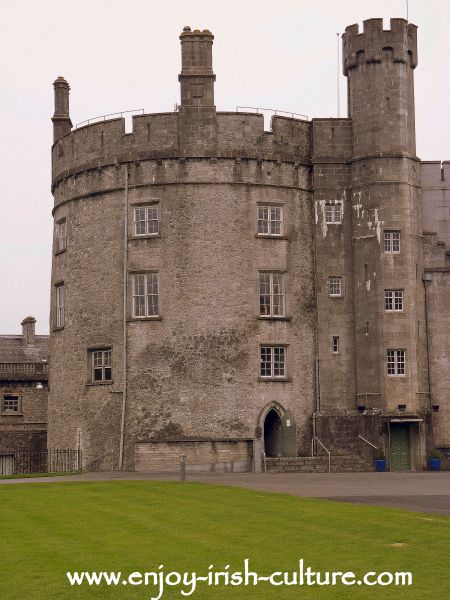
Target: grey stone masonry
{"x":227,"y":293}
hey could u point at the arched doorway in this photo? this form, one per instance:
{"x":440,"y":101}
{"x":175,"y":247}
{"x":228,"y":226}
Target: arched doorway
{"x":272,"y":434}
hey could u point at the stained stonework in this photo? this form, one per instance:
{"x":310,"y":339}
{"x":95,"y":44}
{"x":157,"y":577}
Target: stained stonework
{"x":188,"y":379}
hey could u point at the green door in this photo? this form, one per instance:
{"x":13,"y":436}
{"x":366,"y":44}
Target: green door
{"x":400,"y":449}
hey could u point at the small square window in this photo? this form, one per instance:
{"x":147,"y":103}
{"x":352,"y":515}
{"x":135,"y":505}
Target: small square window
{"x":101,"y":365}
{"x":270,"y":220}
{"x":392,"y":242}
{"x":396,"y":361}
{"x":335,"y":286}
{"x":273,"y":362}
{"x":146,"y":220}
{"x":11,"y":403}
{"x":333,"y":213}
{"x":335,"y":344}
{"x":393,"y":300}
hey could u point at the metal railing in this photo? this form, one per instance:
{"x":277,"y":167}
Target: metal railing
{"x":275,"y":111}
{"x":15,"y":462}
{"x":110,"y":116}
{"x":316,"y":439}
{"x":367,"y":442}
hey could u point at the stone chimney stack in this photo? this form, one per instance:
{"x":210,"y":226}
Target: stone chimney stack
{"x":61,"y":119}
{"x":196,"y":77}
{"x":28,"y":331}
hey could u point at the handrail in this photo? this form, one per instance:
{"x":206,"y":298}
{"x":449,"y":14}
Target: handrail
{"x":367,"y":442}
{"x":326,"y":450}
{"x":103,"y":117}
{"x":274,"y":110}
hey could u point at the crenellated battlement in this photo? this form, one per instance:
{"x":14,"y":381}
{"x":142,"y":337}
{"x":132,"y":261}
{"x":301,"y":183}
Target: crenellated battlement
{"x":160,"y":136}
{"x":399,"y":43}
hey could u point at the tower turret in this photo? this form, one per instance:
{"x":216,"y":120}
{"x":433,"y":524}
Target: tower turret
{"x":61,"y":118}
{"x":386,"y":221}
{"x":196,"y":77}
{"x":379,"y":67}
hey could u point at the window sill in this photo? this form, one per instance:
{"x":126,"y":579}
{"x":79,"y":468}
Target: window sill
{"x":55,"y":329}
{"x":60,"y":251}
{"x":11,"y":414}
{"x":94,"y":383}
{"x":335,"y":297}
{"x":261,"y":236}
{"x":275,"y":379}
{"x":273,"y":318}
{"x":144,"y":237}
{"x":138,"y":319}
{"x":394,"y":312}
{"x":396,"y":376}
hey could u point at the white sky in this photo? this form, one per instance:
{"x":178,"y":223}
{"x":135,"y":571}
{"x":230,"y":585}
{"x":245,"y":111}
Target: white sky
{"x":124,"y":54}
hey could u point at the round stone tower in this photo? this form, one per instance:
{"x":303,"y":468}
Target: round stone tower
{"x":182,"y":312}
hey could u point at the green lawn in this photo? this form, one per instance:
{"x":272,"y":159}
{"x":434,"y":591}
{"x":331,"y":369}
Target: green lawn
{"x":47,"y":529}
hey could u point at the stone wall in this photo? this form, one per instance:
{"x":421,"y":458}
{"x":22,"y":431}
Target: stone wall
{"x":200,"y":455}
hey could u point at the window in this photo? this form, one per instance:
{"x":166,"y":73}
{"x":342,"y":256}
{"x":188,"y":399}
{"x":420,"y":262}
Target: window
{"x":273,"y":361}
{"x":60,"y":305}
{"x":335,"y":344}
{"x":393,"y":300}
{"x":101,"y":365}
{"x":11,"y":403}
{"x":270,"y":220}
{"x":395,"y":362}
{"x":392,"y":242}
{"x":333,"y":212}
{"x":146,"y":219}
{"x":145,"y":295}
{"x":335,"y":286}
{"x":60,"y":235}
{"x":271,"y":294}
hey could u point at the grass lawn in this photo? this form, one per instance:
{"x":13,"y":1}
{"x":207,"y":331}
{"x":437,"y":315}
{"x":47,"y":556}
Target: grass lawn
{"x":47,"y":529}
{"x":33,"y":475}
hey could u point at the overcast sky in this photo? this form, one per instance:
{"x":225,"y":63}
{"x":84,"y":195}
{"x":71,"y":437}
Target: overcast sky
{"x":124,"y":54}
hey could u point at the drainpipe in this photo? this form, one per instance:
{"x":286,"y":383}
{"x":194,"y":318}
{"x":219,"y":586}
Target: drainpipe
{"x":316,"y":362}
{"x":426,"y":280}
{"x":317,"y":407}
{"x":125,"y":288}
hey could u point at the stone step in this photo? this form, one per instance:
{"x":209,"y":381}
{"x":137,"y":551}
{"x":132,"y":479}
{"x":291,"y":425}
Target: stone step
{"x":318,"y":464}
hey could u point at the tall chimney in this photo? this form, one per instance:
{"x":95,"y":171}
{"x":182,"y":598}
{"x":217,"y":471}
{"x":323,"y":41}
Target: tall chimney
{"x":28,"y":333}
{"x":61,"y":119}
{"x":196,"y":77}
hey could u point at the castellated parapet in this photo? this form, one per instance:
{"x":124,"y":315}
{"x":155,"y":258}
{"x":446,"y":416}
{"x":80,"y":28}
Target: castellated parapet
{"x":157,"y":136}
{"x":370,"y":45}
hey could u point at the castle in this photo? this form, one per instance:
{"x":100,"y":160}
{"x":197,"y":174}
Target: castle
{"x":228,"y":293}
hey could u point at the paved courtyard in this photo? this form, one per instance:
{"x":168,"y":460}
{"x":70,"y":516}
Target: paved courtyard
{"x":425,"y":492}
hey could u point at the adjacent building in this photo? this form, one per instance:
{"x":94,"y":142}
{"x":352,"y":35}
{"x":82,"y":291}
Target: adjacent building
{"x":23,"y":398}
